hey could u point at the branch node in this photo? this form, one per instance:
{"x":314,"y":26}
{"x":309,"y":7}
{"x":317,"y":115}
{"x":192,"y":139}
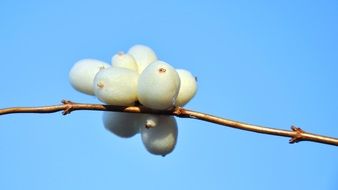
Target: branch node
{"x":298,"y":135}
{"x":68,"y":107}
{"x":178,"y":111}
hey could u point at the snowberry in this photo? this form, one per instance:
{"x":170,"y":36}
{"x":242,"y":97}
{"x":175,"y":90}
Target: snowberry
{"x":159,"y":135}
{"x":124,"y":60}
{"x":188,"y":87}
{"x":116,"y":86}
{"x":158,"y":86}
{"x":122,"y":124}
{"x":143,"y":56}
{"x":82,"y":74}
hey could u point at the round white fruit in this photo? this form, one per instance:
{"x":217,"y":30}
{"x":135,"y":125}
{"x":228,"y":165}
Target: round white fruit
{"x":188,"y":87}
{"x":161,"y":136}
{"x":82,"y":74}
{"x":116,"y":86}
{"x":123,"y":124}
{"x":158,"y":86}
{"x":124,"y":60}
{"x":143,"y":56}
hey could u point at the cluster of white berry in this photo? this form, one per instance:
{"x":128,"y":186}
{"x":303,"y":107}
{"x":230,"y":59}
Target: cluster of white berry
{"x":137,"y":77}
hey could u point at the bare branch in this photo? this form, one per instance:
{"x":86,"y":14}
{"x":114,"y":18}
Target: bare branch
{"x":296,"y":134}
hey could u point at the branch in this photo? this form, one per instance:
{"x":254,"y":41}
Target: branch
{"x":296,"y":134}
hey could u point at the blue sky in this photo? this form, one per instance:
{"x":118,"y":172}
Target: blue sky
{"x":263,"y":62}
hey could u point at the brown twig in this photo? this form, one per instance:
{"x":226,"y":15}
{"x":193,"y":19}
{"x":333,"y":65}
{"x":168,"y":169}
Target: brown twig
{"x":296,"y":134}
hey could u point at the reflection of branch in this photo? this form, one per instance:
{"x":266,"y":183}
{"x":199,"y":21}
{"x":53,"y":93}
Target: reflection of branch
{"x":67,"y":107}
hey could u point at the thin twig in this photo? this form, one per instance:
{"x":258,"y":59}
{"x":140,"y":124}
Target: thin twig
{"x":296,"y":134}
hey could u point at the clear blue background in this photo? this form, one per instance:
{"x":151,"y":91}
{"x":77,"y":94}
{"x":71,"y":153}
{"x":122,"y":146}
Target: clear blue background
{"x":262,"y":62}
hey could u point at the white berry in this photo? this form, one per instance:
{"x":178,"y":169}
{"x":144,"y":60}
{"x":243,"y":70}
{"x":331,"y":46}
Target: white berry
{"x":161,"y":137}
{"x":124,"y":60}
{"x":116,"y":86}
{"x":122,"y":124}
{"x":143,"y":56}
{"x":158,"y":86}
{"x":188,"y":87}
{"x":82,"y":74}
